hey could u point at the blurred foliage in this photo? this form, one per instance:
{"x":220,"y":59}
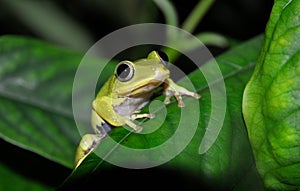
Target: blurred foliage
{"x":92,"y":20}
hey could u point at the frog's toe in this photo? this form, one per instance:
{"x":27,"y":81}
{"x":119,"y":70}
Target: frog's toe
{"x":138,"y":129}
{"x":87,"y":144}
{"x":151,"y":115}
{"x":197,"y":96}
{"x":167,"y":99}
{"x":179,"y":100}
{"x":181,"y":104}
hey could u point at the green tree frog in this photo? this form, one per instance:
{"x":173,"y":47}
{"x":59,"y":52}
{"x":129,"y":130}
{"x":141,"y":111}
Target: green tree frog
{"x":128,"y":90}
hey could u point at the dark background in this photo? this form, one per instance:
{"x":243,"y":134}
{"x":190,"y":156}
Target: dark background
{"x":235,"y":19}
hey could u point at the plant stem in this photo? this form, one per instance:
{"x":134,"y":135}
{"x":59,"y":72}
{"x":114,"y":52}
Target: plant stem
{"x":196,"y":15}
{"x":168,"y":10}
{"x":189,"y":25}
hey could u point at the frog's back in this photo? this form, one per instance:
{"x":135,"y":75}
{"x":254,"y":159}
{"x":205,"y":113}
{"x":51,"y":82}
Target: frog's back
{"x":107,"y":87}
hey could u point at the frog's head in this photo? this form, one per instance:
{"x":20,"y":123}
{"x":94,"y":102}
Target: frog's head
{"x":141,"y":76}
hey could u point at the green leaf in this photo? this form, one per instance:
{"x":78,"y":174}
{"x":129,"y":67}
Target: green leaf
{"x":271,"y":105}
{"x":228,"y":164}
{"x":35,"y":96}
{"x":41,"y":121}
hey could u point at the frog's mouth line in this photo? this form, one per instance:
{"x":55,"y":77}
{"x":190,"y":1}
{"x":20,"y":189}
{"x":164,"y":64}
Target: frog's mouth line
{"x":147,"y":87}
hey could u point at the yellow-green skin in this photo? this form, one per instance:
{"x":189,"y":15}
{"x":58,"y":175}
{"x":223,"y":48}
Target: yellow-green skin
{"x":118,"y":102}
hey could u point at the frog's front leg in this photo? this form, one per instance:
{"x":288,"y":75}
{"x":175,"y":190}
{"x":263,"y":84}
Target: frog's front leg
{"x":142,"y":115}
{"x":104,"y":107}
{"x":172,"y":89}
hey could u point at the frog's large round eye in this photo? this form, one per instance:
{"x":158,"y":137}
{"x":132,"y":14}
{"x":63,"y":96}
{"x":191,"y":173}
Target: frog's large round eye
{"x":124,"y":71}
{"x":164,"y":57}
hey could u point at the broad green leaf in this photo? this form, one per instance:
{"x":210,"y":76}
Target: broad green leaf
{"x":35,"y":96}
{"x":229,"y":161}
{"x":271,"y":104}
{"x":228,"y":164}
{"x":36,"y":82}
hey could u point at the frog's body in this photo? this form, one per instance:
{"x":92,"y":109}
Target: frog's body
{"x":124,"y":94}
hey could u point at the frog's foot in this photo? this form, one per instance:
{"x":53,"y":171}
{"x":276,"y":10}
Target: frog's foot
{"x":134,"y":126}
{"x":138,"y":129}
{"x":178,"y":96}
{"x":175,"y":90}
{"x":87,"y":144}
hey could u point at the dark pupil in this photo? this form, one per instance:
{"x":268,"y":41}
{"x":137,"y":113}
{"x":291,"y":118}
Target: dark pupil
{"x":123,"y":71}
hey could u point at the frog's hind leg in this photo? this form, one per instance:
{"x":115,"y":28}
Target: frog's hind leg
{"x":87,"y":144}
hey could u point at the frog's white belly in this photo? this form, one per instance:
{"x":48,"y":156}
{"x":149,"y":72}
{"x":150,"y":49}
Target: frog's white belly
{"x":131,"y":105}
